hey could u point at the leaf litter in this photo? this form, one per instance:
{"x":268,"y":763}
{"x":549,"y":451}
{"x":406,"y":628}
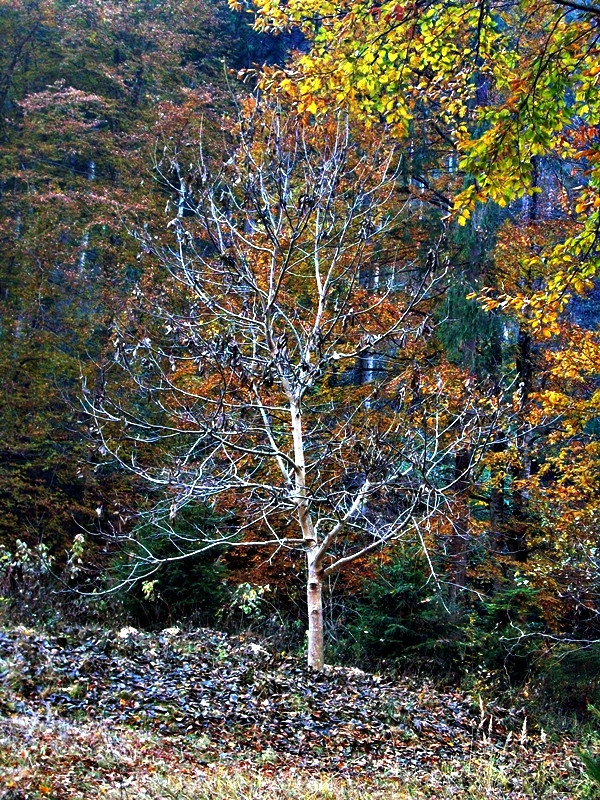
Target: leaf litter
{"x":219,"y":700}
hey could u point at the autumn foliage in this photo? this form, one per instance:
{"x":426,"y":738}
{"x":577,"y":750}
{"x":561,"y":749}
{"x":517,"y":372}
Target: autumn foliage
{"x":350,"y":318}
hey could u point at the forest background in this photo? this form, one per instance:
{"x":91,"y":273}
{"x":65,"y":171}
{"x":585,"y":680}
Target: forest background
{"x":490,"y":116}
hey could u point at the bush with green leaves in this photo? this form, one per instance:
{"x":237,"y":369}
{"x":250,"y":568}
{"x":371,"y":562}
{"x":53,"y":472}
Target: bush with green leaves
{"x":190,"y":588}
{"x":569,"y":677}
{"x":404,"y":615}
{"x":400,"y":615}
{"x":37,"y":585}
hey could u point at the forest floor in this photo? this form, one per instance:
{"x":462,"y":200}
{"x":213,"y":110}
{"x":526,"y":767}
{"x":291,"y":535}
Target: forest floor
{"x":193,"y":715}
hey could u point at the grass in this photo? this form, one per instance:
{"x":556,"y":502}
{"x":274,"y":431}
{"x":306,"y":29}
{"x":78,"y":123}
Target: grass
{"x":59,"y":760}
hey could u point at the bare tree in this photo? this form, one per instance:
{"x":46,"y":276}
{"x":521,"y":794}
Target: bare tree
{"x":286,"y":280}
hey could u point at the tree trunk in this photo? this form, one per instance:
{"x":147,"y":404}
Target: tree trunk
{"x":314,"y":587}
{"x":460,"y":535}
{"x":497,"y":506}
{"x":517,"y":539}
{"x":314,"y":597}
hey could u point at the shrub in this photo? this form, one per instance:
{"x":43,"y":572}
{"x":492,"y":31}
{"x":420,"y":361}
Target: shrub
{"x":404,"y":616}
{"x":191,"y":588}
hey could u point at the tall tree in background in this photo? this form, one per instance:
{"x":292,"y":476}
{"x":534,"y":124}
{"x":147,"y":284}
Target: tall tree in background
{"x":86,"y":89}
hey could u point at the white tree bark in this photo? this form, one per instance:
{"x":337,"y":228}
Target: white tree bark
{"x":314,"y":597}
{"x":242,"y":377}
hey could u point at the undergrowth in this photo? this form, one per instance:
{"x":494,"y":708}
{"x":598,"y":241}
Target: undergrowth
{"x":58,"y":760}
{"x":45,"y":753}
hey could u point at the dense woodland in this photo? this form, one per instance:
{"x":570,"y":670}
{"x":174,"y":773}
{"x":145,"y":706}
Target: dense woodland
{"x":305,"y":293}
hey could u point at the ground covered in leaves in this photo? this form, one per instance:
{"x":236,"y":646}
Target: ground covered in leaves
{"x":125,"y":714}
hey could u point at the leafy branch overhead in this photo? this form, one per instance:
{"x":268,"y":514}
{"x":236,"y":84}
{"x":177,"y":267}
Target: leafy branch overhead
{"x":495,"y":85}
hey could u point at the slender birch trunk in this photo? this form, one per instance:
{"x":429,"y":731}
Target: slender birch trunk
{"x":314,"y":585}
{"x":314,"y":597}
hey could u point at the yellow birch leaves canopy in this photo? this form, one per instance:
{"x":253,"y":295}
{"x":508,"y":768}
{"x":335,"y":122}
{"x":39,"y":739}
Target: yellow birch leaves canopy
{"x":503,"y":82}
